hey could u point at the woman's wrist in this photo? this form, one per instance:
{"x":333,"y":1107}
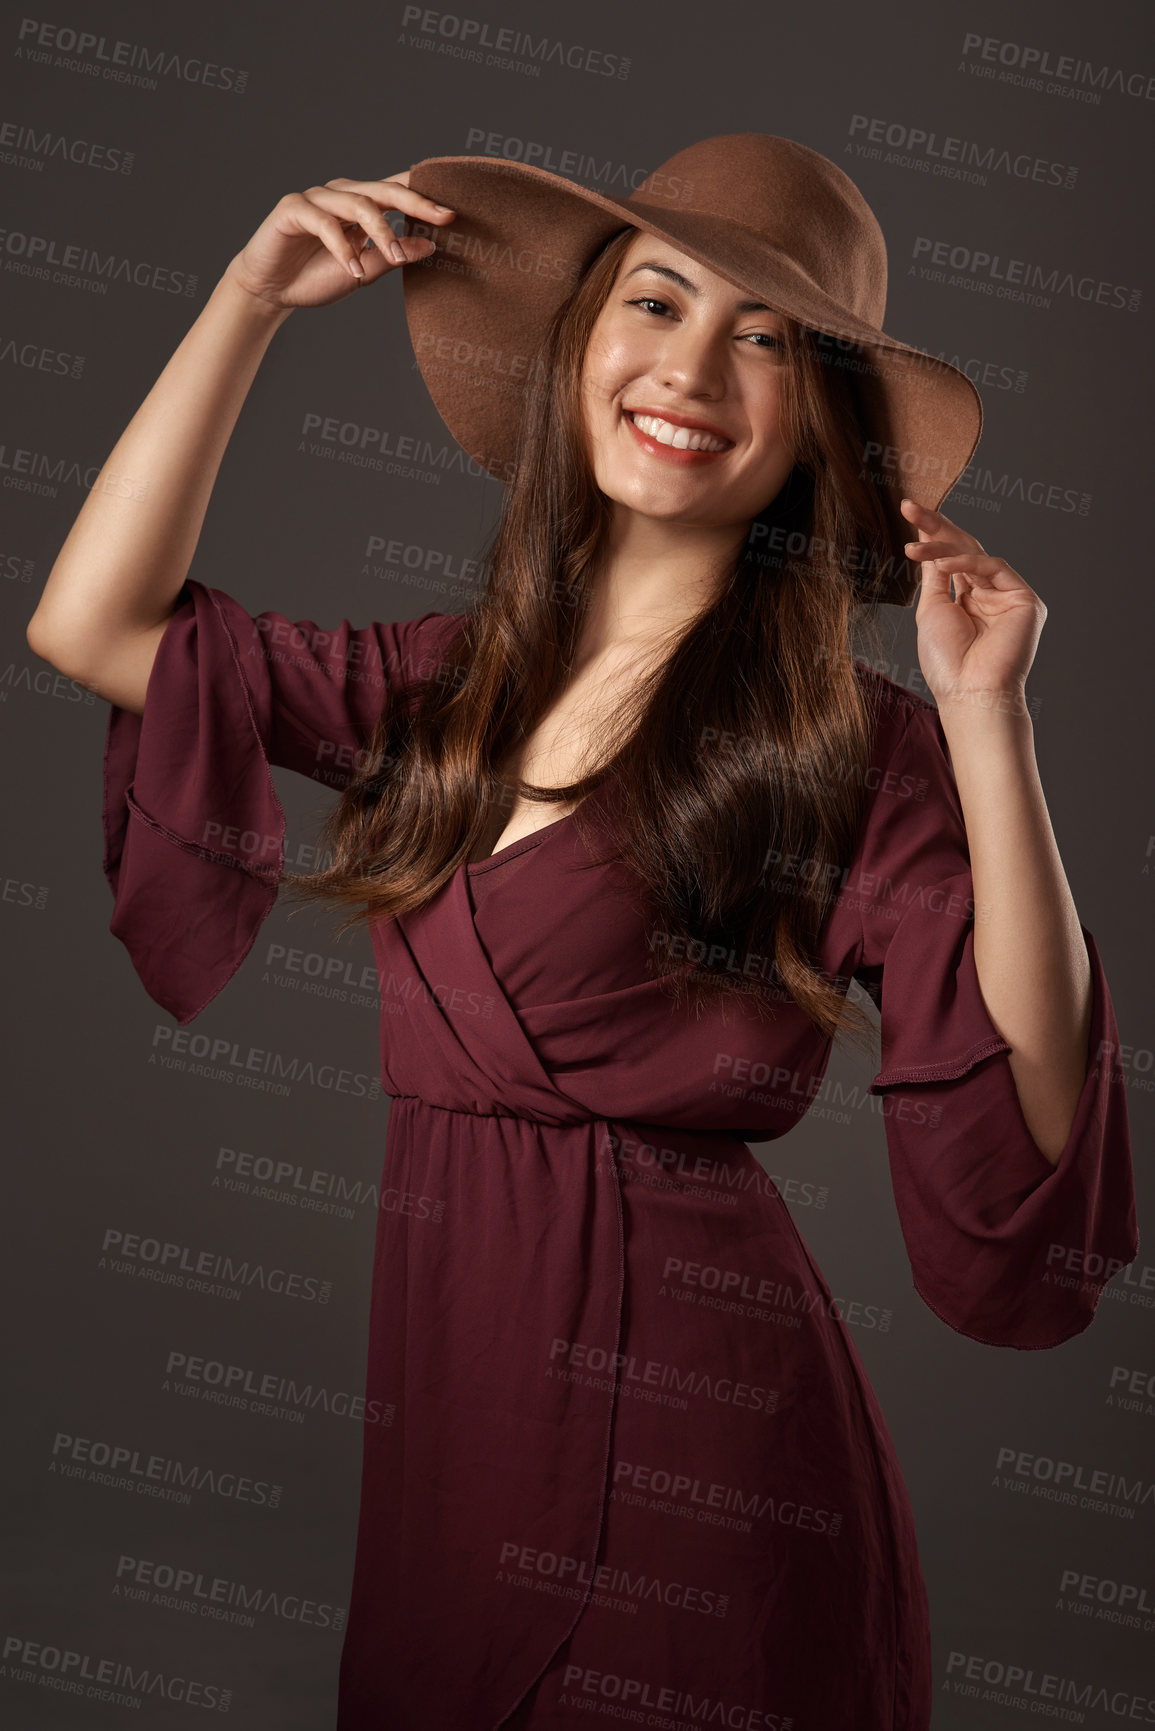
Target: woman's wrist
{"x":987,"y":720}
{"x":245,"y":304}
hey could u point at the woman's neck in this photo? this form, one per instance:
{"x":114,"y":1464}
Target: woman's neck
{"x":653,"y":579}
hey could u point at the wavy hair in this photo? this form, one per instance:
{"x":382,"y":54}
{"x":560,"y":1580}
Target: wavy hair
{"x":734,"y":773}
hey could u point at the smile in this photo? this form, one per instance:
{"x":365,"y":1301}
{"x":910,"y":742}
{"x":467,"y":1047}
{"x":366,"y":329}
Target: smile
{"x":676,"y":444}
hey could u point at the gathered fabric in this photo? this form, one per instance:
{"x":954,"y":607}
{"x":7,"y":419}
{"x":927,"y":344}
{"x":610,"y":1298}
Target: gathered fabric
{"x":619,"y":1443}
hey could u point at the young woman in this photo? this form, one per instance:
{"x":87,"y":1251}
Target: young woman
{"x":623,"y":835}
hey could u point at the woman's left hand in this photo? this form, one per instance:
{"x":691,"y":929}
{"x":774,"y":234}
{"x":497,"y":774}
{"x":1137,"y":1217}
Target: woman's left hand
{"x":976,"y":649}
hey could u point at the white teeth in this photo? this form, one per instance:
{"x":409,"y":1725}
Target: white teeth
{"x":681,"y":438}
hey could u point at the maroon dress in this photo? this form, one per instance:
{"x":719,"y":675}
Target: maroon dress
{"x":636,"y":1467}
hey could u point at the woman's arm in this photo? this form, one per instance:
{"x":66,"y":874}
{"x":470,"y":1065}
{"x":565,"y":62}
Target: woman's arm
{"x":113,"y":586}
{"x":116,"y":578}
{"x":976,"y":649}
{"x":1029,"y":951}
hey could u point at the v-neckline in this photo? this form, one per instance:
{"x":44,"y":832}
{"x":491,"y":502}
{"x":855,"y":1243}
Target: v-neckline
{"x":513,"y":847}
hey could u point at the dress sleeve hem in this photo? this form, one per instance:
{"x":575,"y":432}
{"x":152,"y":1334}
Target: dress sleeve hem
{"x":184,"y":783}
{"x":1078,"y":1322}
{"x":1006,"y":1245}
{"x":894,"y":1076}
{"x":268,"y":873}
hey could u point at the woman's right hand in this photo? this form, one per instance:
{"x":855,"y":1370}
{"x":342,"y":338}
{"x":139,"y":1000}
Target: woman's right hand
{"x":309,"y":248}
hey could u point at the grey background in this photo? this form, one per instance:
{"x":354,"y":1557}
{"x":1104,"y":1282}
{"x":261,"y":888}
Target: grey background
{"x":101,"y":1138}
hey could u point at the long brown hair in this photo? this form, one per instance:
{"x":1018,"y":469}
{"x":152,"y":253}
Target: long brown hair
{"x":736,"y":769}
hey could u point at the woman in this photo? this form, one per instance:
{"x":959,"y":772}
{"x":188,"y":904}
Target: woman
{"x":630,"y":1461}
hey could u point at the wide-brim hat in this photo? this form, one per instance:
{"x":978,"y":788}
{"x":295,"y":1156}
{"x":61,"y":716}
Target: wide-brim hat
{"x":769,"y":215}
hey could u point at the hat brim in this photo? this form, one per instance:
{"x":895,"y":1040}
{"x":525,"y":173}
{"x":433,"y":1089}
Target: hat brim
{"x":479,"y":307}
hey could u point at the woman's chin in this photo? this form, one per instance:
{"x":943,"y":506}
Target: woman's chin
{"x":669,"y":496}
{"x":643,"y":504}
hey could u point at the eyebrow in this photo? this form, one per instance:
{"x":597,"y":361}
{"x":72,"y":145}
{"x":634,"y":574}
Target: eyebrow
{"x":692,"y":288}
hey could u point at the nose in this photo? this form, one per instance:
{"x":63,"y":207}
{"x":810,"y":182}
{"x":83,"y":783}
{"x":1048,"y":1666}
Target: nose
{"x":691,"y":363}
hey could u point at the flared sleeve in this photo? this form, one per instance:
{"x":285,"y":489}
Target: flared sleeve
{"x":193,"y":829}
{"x":1005,"y":1247}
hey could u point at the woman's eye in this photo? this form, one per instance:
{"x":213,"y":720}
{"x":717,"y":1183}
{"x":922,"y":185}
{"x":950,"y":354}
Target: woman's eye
{"x":767,"y":339}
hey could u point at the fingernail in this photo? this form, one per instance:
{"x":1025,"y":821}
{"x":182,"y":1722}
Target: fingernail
{"x":396,"y":252}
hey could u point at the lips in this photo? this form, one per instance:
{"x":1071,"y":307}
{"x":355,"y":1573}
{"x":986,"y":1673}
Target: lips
{"x":691,"y":424}
{"x":680,"y":458}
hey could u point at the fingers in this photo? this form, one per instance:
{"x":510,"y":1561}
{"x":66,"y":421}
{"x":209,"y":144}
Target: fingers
{"x":929,"y":552}
{"x":395,"y":192}
{"x":362,"y":211}
{"x":910,"y":509}
{"x":930,"y":522}
{"x":329,"y":212}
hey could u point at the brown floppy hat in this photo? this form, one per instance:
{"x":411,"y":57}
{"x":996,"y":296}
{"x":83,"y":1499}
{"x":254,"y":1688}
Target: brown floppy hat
{"x":769,"y":215}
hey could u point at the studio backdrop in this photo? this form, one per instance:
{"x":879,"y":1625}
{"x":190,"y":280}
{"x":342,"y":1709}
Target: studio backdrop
{"x":192,"y":1209}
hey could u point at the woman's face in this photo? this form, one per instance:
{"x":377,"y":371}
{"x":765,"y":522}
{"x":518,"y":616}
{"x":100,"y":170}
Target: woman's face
{"x":676,"y":342}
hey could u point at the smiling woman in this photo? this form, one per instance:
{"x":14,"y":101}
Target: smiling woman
{"x":696,"y":303}
{"x":633,"y":1452}
{"x":637,"y":607}
{"x":706,"y":329}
